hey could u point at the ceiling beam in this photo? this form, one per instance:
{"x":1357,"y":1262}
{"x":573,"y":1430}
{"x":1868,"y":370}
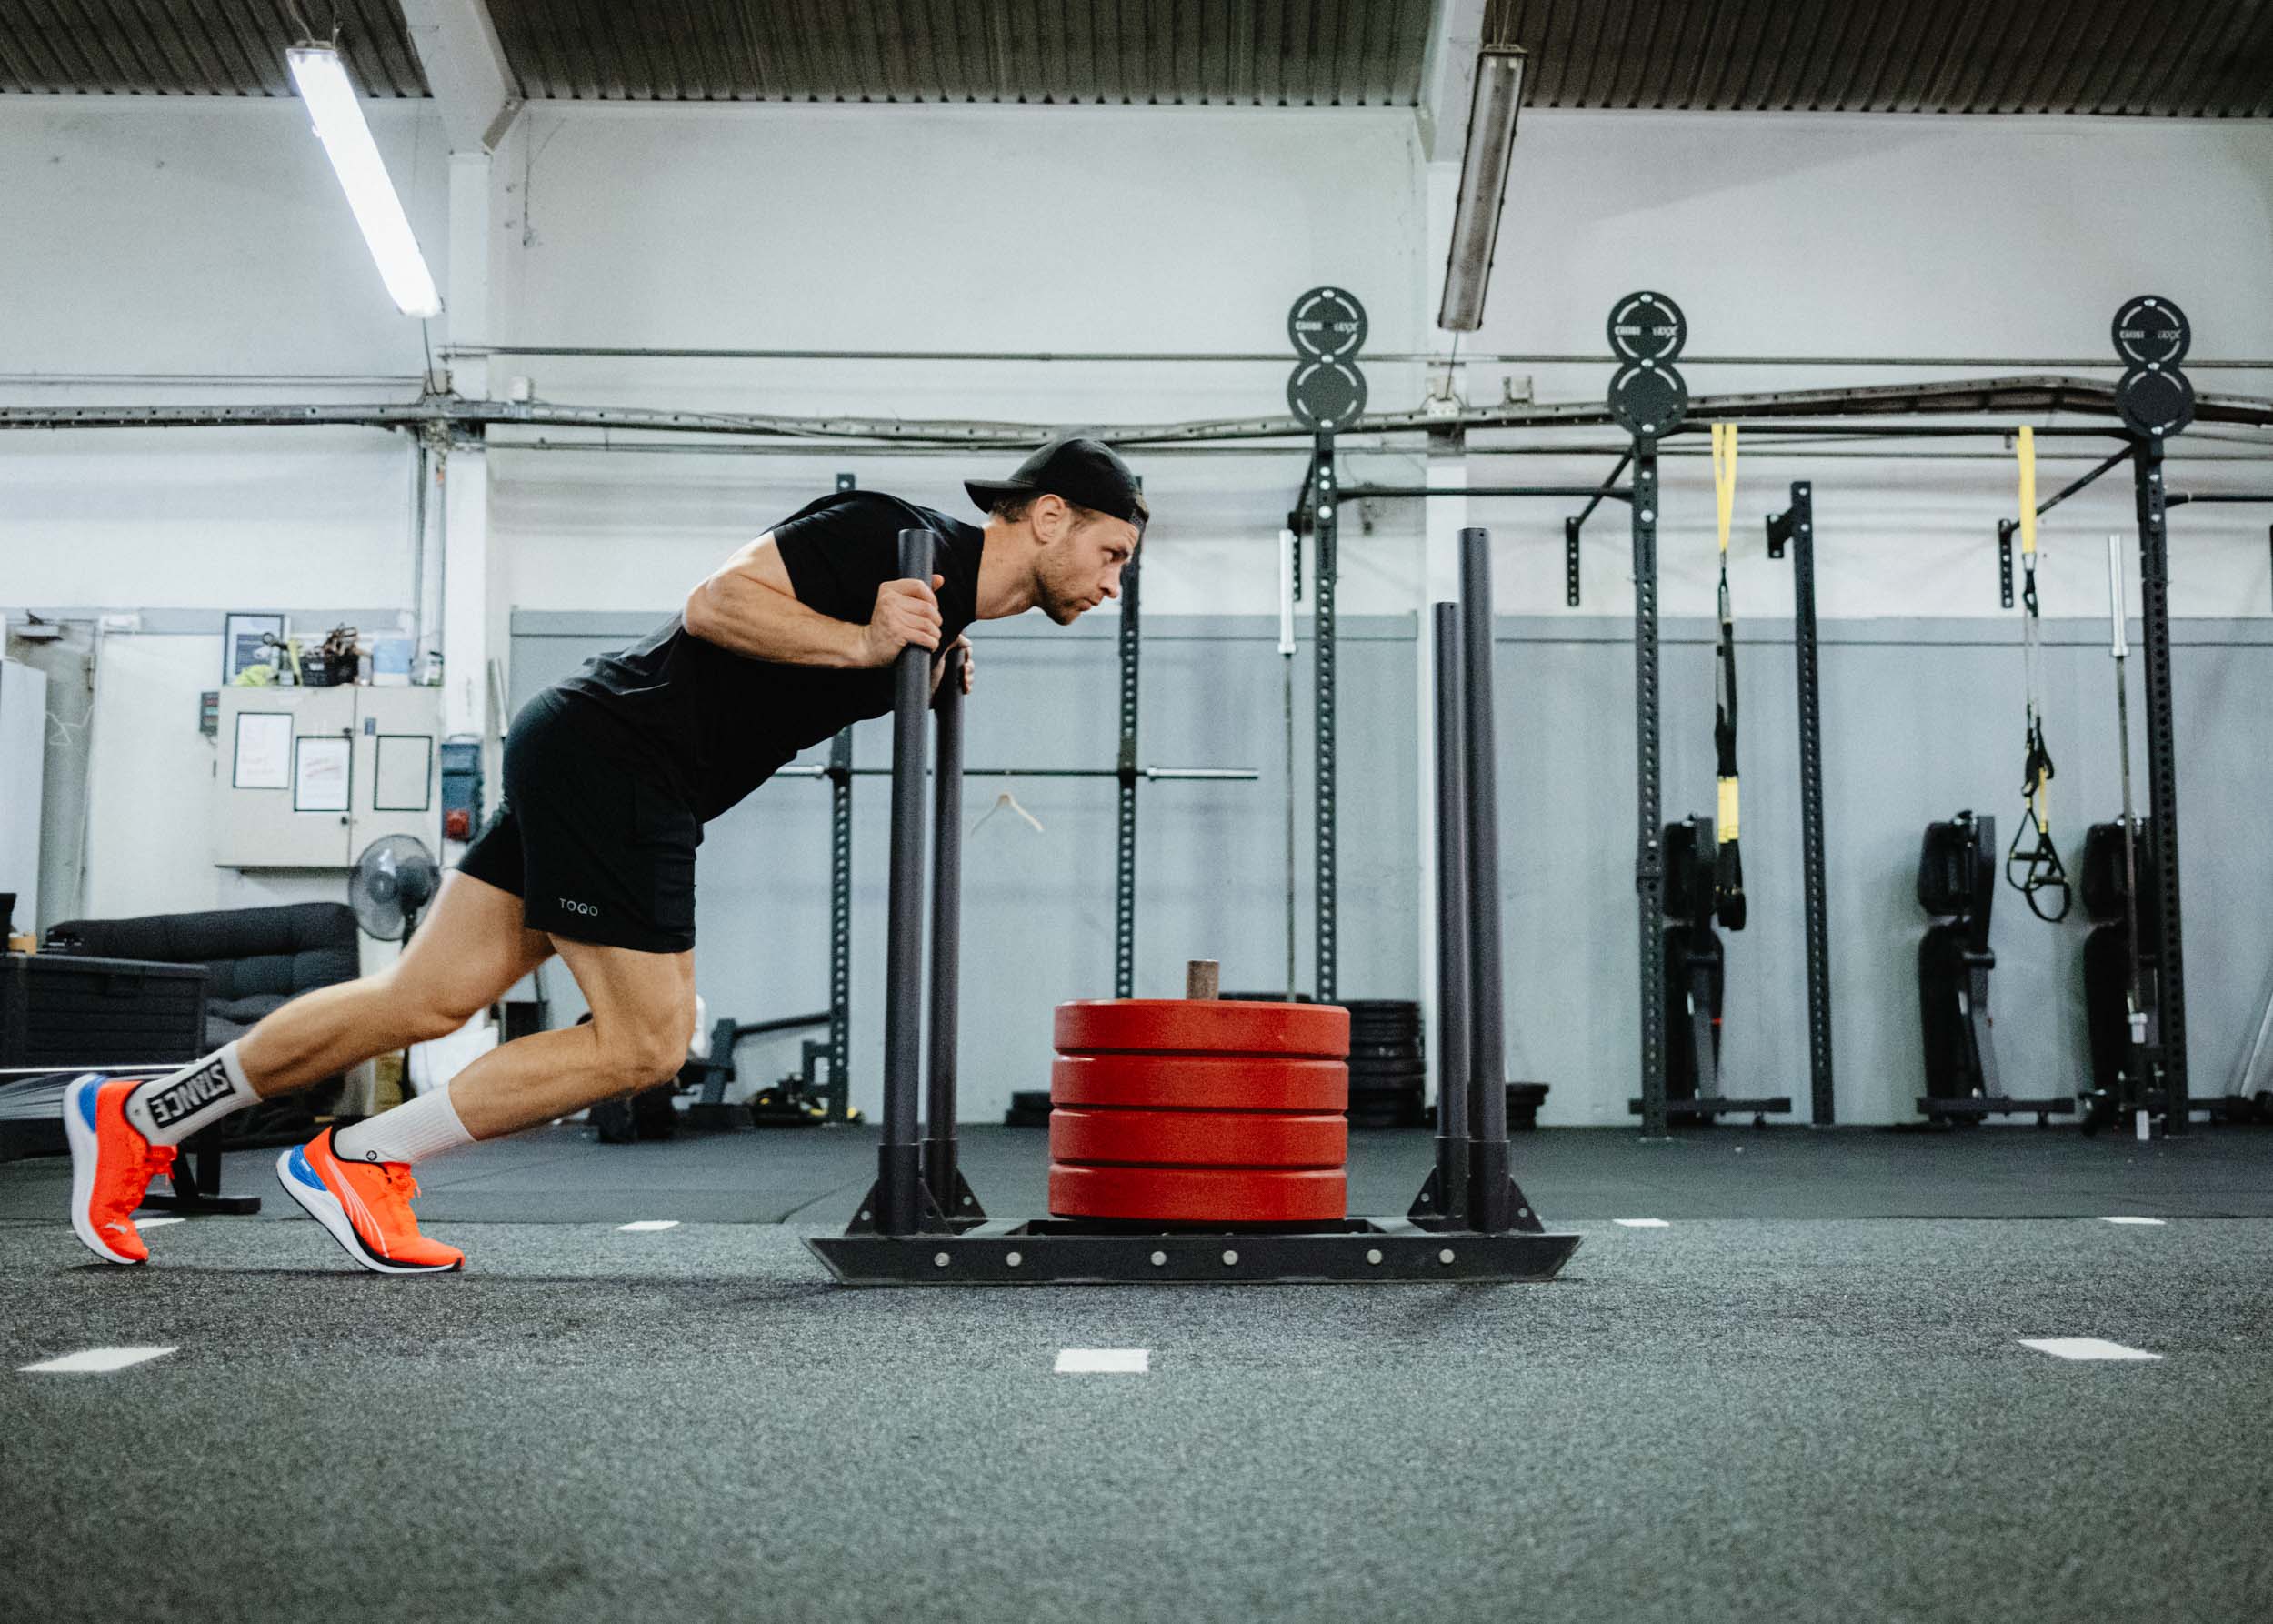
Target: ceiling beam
{"x":1448,"y":78}
{"x":472,"y":85}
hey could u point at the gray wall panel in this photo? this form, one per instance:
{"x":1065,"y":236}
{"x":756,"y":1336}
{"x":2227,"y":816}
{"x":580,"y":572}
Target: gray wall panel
{"x":1922,"y":717}
{"x":1037,"y":910}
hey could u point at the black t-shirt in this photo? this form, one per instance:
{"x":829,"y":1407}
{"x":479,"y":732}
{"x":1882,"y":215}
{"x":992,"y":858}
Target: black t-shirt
{"x":720,"y":723}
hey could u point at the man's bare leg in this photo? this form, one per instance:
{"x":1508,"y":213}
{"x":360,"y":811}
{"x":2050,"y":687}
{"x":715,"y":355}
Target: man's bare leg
{"x":358,"y":1183}
{"x":467,"y":952}
{"x":472,"y":945}
{"x":643,"y":1017}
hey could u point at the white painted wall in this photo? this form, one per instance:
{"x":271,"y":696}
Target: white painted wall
{"x":158,"y":237}
{"x":1792,"y":234}
{"x":152,"y":236}
{"x":1025,"y":228}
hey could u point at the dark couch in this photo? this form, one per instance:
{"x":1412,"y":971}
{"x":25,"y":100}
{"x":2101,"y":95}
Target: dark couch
{"x":257,"y":959}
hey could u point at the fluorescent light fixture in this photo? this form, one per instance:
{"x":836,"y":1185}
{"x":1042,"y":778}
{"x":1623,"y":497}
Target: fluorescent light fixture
{"x":321,"y":78}
{"x":1483,"y":185}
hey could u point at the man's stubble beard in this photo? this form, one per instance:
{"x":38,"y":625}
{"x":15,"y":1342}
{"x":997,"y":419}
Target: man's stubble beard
{"x":1053,"y":603}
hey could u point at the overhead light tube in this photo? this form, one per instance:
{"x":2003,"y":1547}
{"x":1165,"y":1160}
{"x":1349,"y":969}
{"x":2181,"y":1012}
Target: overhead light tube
{"x":1484,"y":166}
{"x":322,"y":79}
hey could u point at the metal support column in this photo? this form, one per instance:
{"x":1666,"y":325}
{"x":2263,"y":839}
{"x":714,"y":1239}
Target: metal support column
{"x":1125,"y":769}
{"x":898,"y":1204}
{"x":838,"y":1095}
{"x":1489,"y":1208}
{"x":1445,"y":1199}
{"x":2162,"y":771}
{"x":1796,"y":526}
{"x":1326,"y":524}
{"x":1649,"y":867}
{"x":941,"y":1174}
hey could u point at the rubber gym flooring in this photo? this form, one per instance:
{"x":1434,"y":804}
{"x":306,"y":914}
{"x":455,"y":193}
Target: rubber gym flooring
{"x":1806,"y":1392}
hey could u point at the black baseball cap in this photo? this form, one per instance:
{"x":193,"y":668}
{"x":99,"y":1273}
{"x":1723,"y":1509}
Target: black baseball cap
{"x":1087,"y":473}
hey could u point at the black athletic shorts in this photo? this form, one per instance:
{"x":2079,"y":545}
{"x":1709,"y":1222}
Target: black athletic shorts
{"x":593,"y":838}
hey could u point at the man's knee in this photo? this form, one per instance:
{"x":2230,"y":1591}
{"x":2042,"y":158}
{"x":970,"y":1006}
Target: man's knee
{"x":428,"y":1012}
{"x":437,"y":1021}
{"x":639,"y":1054}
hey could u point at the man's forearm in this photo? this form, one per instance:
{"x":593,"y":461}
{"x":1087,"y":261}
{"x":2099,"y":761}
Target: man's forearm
{"x":755,"y":620}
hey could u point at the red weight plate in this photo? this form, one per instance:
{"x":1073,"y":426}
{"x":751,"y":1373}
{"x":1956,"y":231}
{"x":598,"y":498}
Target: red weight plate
{"x":1203,"y":1026}
{"x":1200,"y":1138}
{"x":1200,"y":1082}
{"x":1200,"y":1195}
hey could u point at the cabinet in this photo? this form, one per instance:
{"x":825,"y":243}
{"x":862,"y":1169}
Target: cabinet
{"x":23,"y":746}
{"x":308,"y":777}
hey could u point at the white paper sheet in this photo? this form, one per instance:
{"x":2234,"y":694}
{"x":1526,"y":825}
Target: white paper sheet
{"x":319,"y":779}
{"x":263,"y":750}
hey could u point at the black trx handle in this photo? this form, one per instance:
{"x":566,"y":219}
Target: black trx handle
{"x":2037,"y":870}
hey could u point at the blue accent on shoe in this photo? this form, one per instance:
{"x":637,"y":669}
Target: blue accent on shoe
{"x":297,"y":1164}
{"x":83,"y":1093}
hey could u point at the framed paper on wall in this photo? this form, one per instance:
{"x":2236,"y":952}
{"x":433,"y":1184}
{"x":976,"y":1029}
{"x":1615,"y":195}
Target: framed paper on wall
{"x":320,"y":772}
{"x":263,"y":757}
{"x":242,"y":641}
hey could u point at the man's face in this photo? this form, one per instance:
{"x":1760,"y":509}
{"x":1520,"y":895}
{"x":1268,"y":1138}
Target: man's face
{"x":1081,"y":558}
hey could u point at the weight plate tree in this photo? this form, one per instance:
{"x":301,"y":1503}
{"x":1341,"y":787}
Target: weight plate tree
{"x":1325,"y":393}
{"x":1326,"y":323}
{"x":2155,"y":401}
{"x":1647,"y":397}
{"x":1647,"y":326}
{"x":2149,"y":331}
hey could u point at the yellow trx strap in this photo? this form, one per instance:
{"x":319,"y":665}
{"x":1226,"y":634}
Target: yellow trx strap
{"x":1728,"y":865}
{"x":2029,"y":495}
{"x":1725,"y":480}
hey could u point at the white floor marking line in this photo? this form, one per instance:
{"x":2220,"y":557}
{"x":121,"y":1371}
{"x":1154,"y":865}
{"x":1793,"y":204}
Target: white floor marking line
{"x":99,"y":1358}
{"x":2084,"y":1348}
{"x":1104,"y":1362}
{"x":1641,"y":1223}
{"x":647,"y":1225}
{"x":152,"y":1223}
{"x":2157,"y":1223}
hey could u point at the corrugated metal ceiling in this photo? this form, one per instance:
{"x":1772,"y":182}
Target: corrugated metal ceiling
{"x":2190,"y":58}
{"x":193,"y":47}
{"x":1218,"y":53}
{"x":2195,"y":58}
{"x":1221,"y":52}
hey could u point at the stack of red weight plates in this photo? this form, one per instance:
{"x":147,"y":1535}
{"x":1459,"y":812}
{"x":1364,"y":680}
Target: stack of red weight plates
{"x":1195,"y":1111}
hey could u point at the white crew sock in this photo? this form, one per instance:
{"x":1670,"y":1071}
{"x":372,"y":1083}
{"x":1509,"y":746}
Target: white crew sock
{"x":168,"y":1109}
{"x":413,"y":1130}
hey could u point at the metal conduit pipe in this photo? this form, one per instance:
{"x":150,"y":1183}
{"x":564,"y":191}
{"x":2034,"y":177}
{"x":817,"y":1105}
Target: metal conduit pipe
{"x":1235,"y":774}
{"x":1276,"y":358}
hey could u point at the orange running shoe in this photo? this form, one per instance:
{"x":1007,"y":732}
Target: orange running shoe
{"x":366,"y":1207}
{"x":112,"y":1166}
